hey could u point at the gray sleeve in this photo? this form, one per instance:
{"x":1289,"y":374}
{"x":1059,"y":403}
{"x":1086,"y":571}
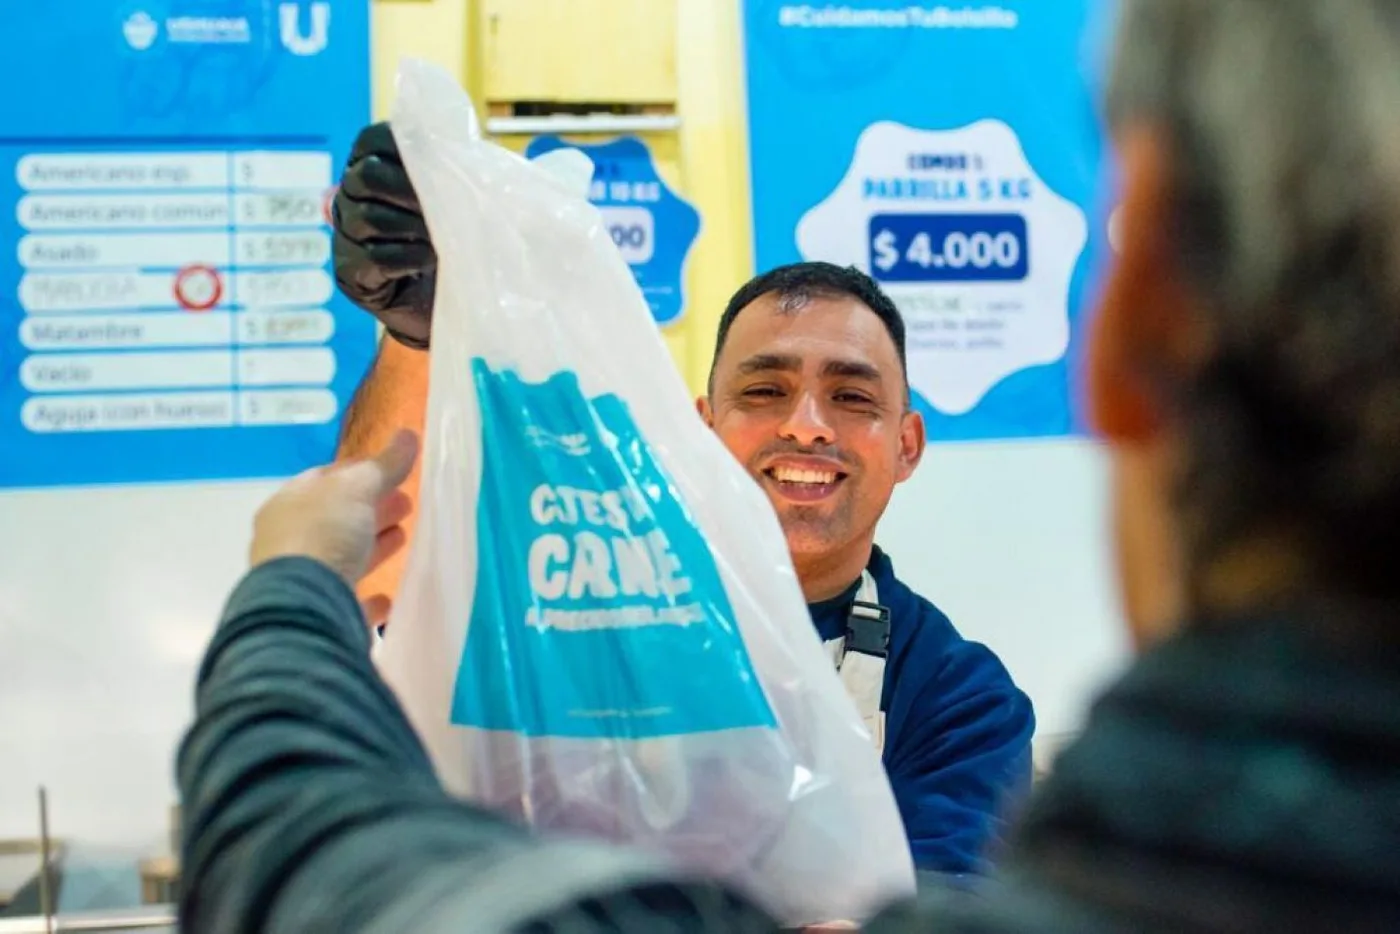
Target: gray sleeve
{"x":310,"y":805}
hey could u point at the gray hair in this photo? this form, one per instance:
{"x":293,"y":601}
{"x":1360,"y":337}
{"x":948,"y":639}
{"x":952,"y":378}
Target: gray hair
{"x":1283,"y":122}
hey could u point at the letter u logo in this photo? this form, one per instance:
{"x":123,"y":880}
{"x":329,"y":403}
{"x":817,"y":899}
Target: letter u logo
{"x":297,"y":42}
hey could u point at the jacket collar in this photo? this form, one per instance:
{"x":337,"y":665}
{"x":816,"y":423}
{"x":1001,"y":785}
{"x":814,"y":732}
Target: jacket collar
{"x":1257,"y":745}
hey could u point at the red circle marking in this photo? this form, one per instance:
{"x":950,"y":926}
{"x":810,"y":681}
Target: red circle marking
{"x":198,"y":279}
{"x":327,"y":203}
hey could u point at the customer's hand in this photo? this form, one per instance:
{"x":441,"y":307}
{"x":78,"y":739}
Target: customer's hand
{"x":384,"y":258}
{"x":347,"y":515}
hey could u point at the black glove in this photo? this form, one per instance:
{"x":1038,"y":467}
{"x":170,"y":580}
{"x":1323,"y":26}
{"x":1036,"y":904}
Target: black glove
{"x":384,"y":259}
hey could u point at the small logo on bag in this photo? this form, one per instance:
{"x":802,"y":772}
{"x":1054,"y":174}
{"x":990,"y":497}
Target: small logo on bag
{"x":576,"y":445}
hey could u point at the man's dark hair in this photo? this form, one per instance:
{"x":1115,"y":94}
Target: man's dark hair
{"x":798,"y":283}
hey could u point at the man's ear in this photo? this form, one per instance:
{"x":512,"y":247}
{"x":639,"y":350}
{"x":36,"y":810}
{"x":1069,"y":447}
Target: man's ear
{"x":707,"y":415}
{"x":913,"y":438}
{"x":1144,"y":321}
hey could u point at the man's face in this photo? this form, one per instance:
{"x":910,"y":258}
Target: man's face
{"x":812,"y":401}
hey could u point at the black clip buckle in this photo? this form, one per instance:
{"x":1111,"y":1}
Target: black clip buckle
{"x":868,"y":629}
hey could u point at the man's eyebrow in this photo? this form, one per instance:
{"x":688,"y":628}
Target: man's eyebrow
{"x":851,"y":369}
{"x":790,"y":363}
{"x":770,"y":362}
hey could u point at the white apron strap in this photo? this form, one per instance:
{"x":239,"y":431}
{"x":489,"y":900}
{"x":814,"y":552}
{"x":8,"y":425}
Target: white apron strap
{"x":863,"y":675}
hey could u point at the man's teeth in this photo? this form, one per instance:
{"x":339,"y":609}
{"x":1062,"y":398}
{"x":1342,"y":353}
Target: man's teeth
{"x":790,"y":475}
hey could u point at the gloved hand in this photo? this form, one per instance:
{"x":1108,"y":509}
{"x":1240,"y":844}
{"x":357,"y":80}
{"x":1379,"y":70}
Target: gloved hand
{"x":384,"y":259}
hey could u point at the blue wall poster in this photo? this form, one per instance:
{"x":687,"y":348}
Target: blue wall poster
{"x":953,"y":153}
{"x":652,"y":226}
{"x":167,"y":306}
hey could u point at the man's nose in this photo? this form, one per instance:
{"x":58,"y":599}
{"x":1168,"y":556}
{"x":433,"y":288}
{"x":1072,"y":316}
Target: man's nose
{"x":807,"y":422}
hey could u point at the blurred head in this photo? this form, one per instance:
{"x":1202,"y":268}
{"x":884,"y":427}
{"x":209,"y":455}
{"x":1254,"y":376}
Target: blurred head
{"x":1246,"y":362}
{"x":808,"y":391}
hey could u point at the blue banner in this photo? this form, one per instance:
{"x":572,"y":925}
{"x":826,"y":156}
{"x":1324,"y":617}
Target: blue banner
{"x":169,"y":310}
{"x":954,"y":153}
{"x":652,"y":225}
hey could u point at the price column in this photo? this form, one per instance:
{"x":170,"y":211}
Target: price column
{"x":281,"y":250}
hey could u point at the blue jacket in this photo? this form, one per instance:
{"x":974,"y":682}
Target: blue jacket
{"x":957,"y":729}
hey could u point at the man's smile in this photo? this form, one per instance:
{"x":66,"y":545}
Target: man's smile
{"x":803,"y":479}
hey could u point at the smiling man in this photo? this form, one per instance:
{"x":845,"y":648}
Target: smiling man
{"x":808,"y":390}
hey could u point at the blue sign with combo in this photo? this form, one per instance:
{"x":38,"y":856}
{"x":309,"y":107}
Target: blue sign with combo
{"x":954,"y":153}
{"x":169,"y":311}
{"x":652,"y":226}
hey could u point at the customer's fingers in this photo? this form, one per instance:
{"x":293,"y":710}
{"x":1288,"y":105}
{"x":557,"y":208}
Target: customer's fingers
{"x":393,"y":509}
{"x":375,"y":477}
{"x":395,"y":461}
{"x":387,"y":544}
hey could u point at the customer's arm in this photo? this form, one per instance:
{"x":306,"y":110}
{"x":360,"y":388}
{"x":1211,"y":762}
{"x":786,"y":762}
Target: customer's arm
{"x":309,"y":803}
{"x":311,"y":806}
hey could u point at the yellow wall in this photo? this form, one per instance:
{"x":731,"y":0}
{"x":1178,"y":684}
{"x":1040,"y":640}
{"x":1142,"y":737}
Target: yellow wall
{"x":706,"y":161}
{"x":435,"y":30}
{"x":714,"y":149}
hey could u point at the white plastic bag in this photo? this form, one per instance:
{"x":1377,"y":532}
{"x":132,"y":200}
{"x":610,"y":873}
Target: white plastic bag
{"x":599,"y":631}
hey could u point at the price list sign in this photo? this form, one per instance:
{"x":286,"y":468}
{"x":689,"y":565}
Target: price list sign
{"x":169,"y":310}
{"x":971,"y":193}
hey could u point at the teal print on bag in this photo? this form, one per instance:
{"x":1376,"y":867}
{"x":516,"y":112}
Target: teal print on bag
{"x":598,"y":611}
